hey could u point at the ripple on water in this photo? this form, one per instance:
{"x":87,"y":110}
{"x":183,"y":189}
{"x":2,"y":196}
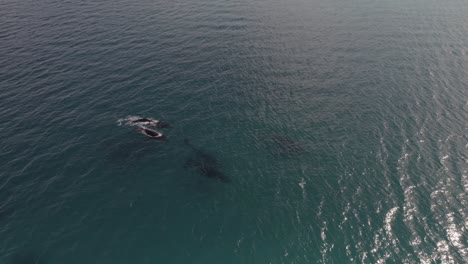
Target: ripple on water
{"x":342,"y":126}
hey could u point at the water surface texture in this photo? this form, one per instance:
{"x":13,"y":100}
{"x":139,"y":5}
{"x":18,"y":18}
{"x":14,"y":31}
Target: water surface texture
{"x":302,"y":131}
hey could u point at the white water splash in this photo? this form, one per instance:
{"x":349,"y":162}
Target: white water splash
{"x":130,"y":121}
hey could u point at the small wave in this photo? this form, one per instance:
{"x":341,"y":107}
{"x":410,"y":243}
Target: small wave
{"x":302,"y":183}
{"x":389,"y":218}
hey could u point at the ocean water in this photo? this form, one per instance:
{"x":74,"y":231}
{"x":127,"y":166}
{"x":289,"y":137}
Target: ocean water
{"x":340,"y":126}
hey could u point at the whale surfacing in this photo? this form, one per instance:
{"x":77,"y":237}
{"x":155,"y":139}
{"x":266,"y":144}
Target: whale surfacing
{"x":151,"y":133}
{"x":145,"y":125}
{"x":142,"y":121}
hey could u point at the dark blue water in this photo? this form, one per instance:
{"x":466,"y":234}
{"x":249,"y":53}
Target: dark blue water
{"x":339,"y":129}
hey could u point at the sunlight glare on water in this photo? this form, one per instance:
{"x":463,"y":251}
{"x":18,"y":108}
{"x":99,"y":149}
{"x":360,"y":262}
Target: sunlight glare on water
{"x":300,"y":131}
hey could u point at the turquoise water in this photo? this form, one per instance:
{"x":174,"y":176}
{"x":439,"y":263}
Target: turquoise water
{"x":341,"y":126}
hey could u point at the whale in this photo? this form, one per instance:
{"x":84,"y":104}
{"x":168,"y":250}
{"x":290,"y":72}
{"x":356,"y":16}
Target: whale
{"x":204,"y":164}
{"x":151,"y":133}
{"x":150,"y":122}
{"x":286,"y":145}
{"x":143,"y":121}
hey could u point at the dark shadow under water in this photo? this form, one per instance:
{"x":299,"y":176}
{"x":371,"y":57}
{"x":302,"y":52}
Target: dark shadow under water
{"x":204,"y":164}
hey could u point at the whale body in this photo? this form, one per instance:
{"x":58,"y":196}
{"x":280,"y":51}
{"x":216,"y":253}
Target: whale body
{"x":151,"y":133}
{"x":143,"y":121}
{"x":205,"y":164}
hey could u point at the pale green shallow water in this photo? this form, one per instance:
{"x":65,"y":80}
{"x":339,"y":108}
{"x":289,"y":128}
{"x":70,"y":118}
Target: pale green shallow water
{"x":342,"y":126}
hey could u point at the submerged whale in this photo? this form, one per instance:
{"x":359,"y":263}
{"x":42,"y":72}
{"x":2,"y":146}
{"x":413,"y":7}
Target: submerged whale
{"x":204,"y":164}
{"x":285,"y":145}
